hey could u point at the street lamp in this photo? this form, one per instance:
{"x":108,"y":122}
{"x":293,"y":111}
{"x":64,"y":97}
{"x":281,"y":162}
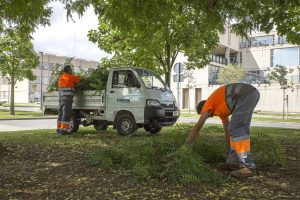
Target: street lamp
{"x":41,"y":84}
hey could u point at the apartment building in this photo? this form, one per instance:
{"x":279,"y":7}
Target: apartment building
{"x":258,"y":53}
{"x":31,"y":91}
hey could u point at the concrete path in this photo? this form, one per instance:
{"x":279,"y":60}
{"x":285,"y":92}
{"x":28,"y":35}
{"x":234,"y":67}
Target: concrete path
{"x":35,"y":124}
{"x":288,"y":125}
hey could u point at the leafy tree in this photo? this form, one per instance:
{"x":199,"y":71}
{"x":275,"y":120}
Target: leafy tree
{"x":232,"y":74}
{"x":17,"y":59}
{"x":152,"y":33}
{"x":278,"y":74}
{"x":24,"y":14}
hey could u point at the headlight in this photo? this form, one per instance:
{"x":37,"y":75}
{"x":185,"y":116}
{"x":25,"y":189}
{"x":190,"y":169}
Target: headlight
{"x":153,"y":103}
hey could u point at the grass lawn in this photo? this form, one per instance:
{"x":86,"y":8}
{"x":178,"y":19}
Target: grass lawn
{"x":102,"y":165}
{"x":5,"y":114}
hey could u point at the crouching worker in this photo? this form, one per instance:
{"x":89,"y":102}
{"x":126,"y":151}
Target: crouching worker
{"x":66,"y":90}
{"x":238,"y":100}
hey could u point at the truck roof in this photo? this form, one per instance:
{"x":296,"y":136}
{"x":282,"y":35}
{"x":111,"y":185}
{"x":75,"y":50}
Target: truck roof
{"x":129,"y":68}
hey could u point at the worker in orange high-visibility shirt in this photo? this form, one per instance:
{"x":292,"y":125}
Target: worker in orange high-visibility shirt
{"x":66,"y":88}
{"x":238,"y":100}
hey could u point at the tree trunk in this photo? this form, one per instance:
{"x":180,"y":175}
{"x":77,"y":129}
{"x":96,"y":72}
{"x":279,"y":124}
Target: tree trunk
{"x":12,"y":96}
{"x":168,"y":63}
{"x":167,"y":77}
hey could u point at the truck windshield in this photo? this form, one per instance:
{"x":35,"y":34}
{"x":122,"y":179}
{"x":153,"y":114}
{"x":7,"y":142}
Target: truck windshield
{"x":151,"y":80}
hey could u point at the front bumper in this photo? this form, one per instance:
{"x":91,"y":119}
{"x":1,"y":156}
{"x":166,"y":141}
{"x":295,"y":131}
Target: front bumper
{"x":160,"y":116}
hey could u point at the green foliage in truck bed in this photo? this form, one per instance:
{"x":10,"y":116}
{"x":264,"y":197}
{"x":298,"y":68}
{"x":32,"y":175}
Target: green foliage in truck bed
{"x":94,"y":79}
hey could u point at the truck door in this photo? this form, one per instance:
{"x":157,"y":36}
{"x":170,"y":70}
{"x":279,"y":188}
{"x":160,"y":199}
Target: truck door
{"x":125,"y":93}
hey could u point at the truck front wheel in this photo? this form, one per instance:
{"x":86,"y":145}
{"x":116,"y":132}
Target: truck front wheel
{"x":152,"y":128}
{"x":126,"y":124}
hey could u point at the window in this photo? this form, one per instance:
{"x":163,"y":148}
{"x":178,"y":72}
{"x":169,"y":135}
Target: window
{"x":124,"y":79}
{"x":263,"y":41}
{"x":51,"y":65}
{"x":213,"y":75}
{"x":45,"y":80}
{"x":282,"y":40}
{"x":241,"y":58}
{"x":3,"y":81}
{"x":285,"y":56}
{"x":151,"y":80}
{"x":4,"y":95}
{"x":271,"y":59}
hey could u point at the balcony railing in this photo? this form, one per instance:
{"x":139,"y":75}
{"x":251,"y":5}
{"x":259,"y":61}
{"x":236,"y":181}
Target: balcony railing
{"x":255,"y":42}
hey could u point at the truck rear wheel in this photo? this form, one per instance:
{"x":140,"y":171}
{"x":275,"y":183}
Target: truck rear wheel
{"x":152,"y":128}
{"x":126,"y":124}
{"x":100,"y":125}
{"x":74,"y":123}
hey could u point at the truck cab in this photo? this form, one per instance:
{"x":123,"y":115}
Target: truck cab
{"x":137,"y":97}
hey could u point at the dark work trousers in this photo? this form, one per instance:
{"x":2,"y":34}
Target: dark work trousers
{"x":238,"y":130}
{"x":64,"y":113}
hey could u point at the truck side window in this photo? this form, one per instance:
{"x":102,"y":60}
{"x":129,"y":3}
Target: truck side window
{"x":124,"y":79}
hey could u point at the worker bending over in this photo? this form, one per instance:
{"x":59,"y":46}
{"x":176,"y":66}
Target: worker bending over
{"x":66,"y":88}
{"x":238,"y":100}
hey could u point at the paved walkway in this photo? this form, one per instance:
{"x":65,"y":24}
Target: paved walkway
{"x":36,"y":124}
{"x":288,"y":125}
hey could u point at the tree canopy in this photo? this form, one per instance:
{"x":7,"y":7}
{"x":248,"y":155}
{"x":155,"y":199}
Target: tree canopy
{"x":24,"y":14}
{"x":232,"y":74}
{"x":278,"y":74}
{"x":17,"y":59}
{"x":152,"y":33}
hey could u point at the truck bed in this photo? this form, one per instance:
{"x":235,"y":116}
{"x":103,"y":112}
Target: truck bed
{"x":86,"y":100}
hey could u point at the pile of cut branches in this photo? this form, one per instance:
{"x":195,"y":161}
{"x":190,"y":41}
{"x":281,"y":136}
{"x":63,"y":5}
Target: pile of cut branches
{"x":94,"y":79}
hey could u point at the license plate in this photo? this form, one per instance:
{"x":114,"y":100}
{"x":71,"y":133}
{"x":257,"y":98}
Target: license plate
{"x":175,"y":113}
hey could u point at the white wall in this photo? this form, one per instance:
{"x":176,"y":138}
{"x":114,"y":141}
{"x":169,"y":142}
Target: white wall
{"x":271,"y":97}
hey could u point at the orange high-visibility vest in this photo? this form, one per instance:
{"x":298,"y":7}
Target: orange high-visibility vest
{"x":66,"y":84}
{"x":216,"y":104}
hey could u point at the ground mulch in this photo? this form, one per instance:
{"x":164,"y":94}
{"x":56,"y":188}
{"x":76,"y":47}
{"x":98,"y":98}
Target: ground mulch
{"x":35,"y":171}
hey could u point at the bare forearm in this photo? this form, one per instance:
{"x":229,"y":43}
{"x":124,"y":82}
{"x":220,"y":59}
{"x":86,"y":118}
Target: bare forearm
{"x":195,"y":130}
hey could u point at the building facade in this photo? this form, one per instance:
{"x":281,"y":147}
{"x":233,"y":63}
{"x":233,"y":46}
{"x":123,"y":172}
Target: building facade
{"x":31,"y":91}
{"x":258,"y":54}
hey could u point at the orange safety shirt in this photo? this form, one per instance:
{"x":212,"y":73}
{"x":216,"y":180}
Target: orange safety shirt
{"x":216,"y":104}
{"x":68,"y":80}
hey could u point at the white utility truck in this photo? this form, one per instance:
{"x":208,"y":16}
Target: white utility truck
{"x":134,"y":98}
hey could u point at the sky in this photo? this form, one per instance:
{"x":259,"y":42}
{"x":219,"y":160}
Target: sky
{"x":68,"y":38}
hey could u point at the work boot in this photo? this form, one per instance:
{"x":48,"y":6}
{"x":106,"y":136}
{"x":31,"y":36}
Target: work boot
{"x":242,"y":173}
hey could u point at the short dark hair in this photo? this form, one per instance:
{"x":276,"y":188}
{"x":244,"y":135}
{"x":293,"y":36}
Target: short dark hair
{"x":67,"y":68}
{"x":200,"y":106}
